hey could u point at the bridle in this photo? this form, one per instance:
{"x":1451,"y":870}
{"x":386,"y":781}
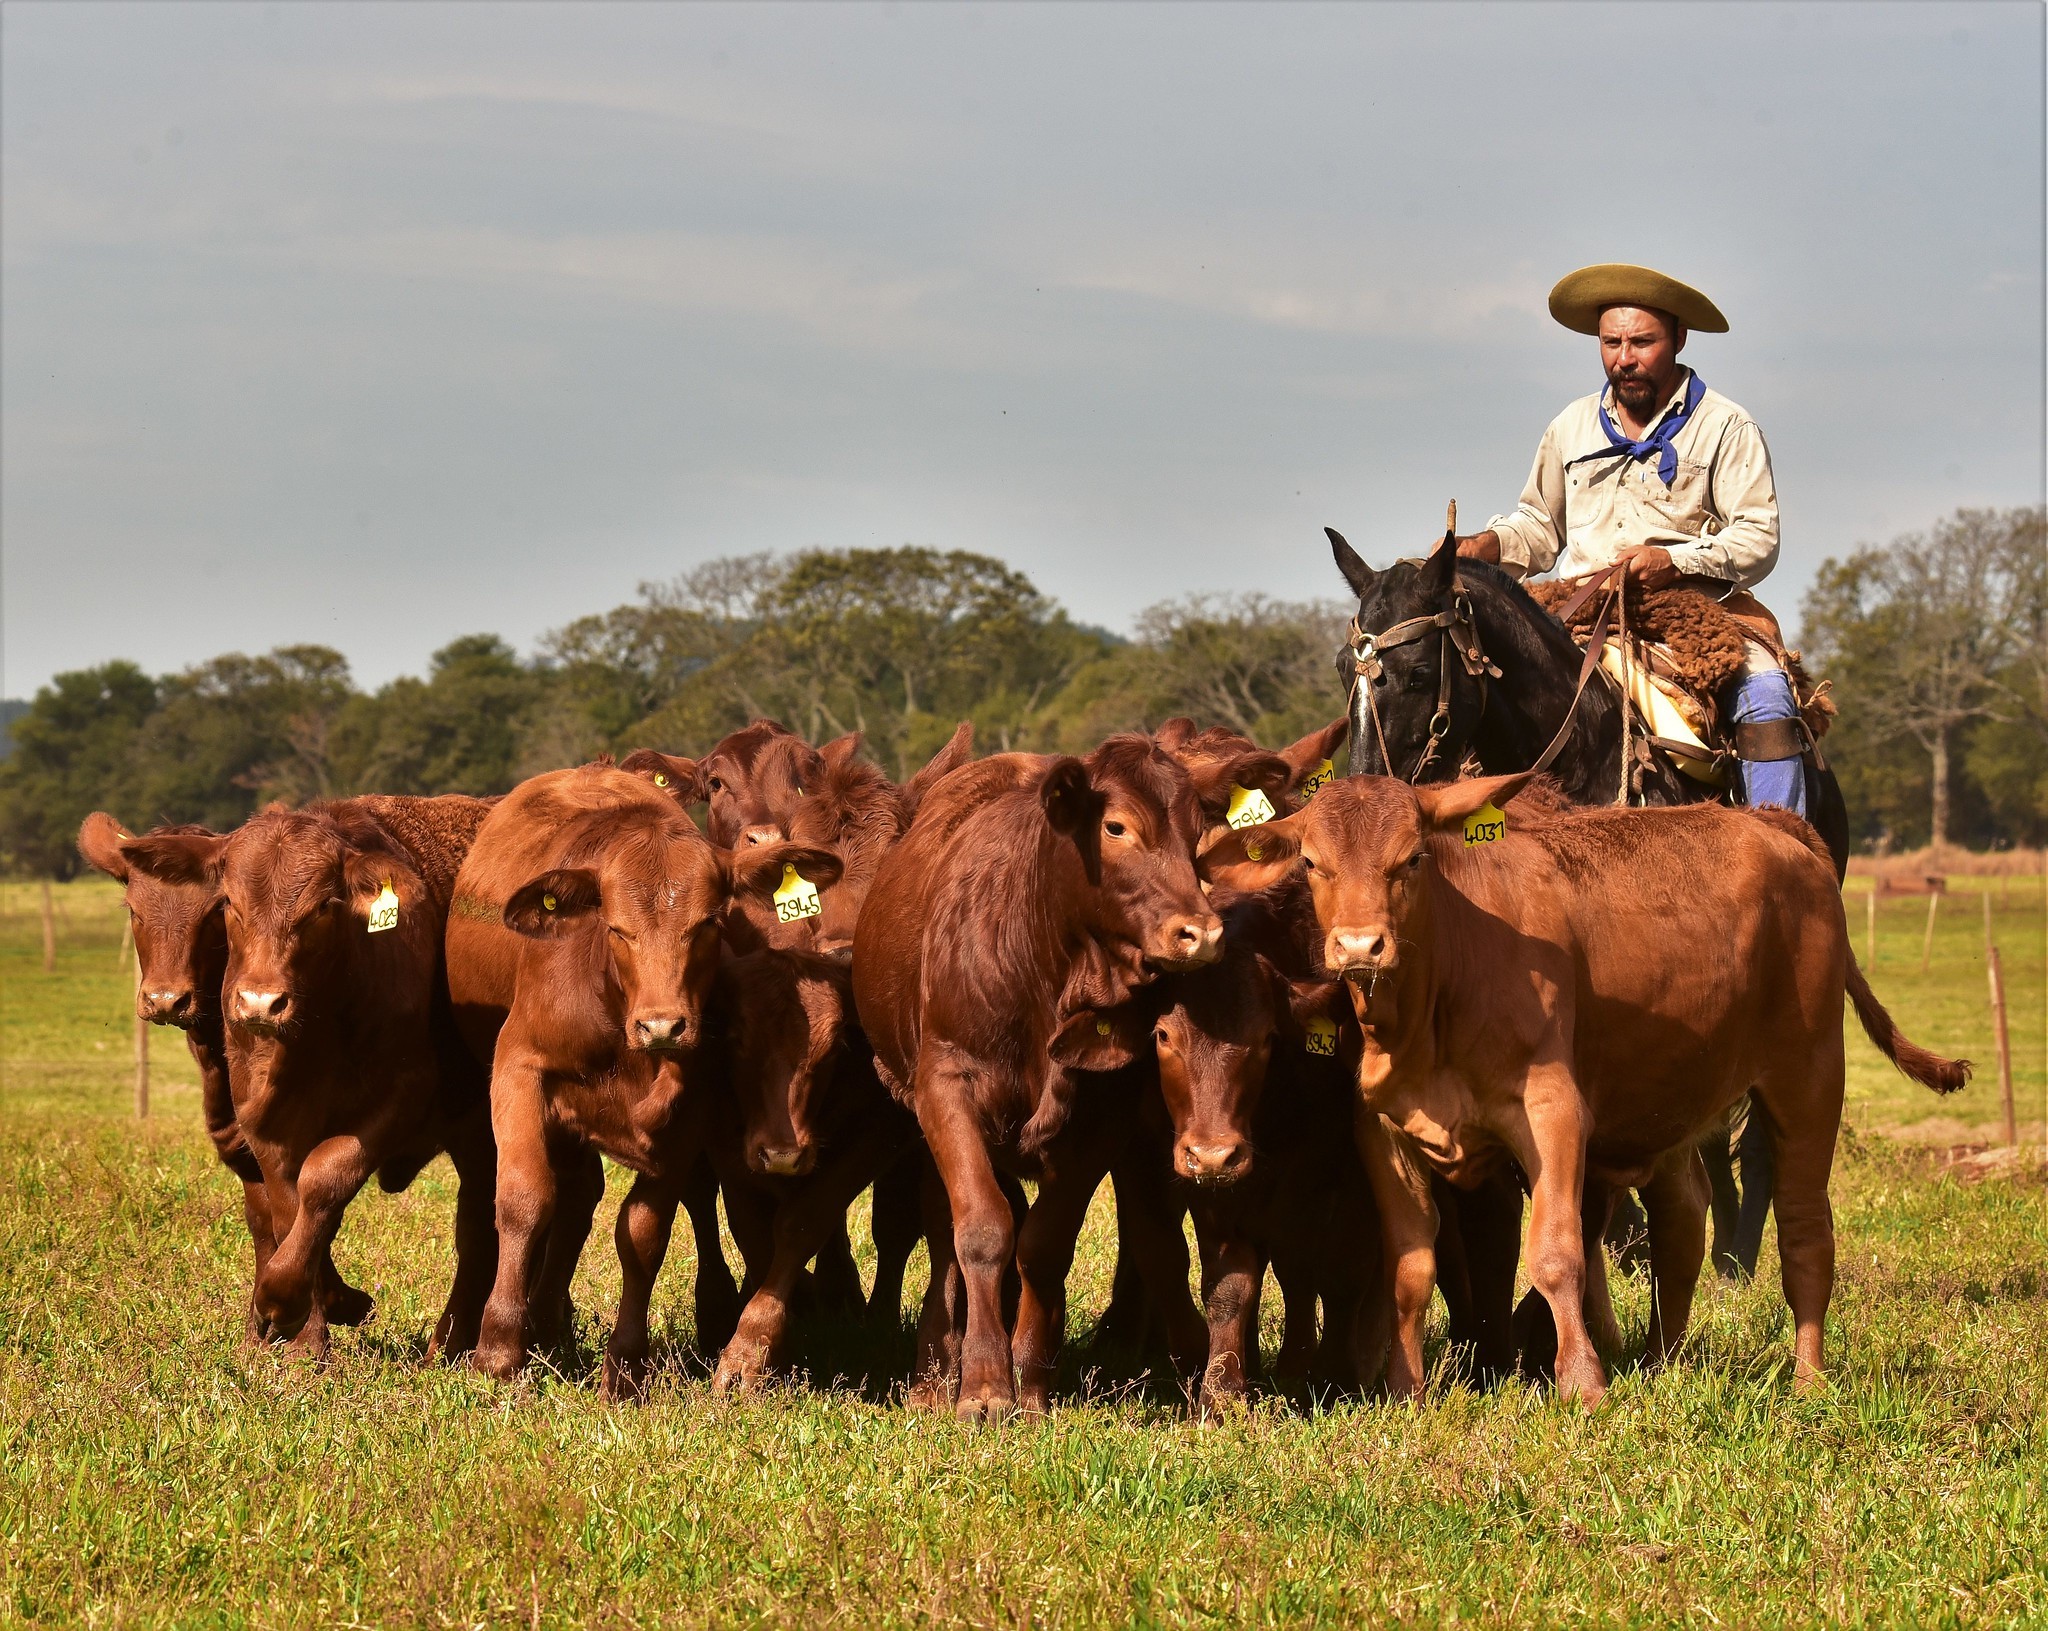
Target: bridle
{"x":1457,"y":632}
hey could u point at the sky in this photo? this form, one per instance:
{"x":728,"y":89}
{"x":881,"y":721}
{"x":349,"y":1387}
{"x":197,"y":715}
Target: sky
{"x":375,"y":325}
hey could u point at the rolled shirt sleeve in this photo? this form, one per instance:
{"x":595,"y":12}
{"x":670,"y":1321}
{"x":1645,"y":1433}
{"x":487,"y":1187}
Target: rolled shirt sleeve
{"x":1744,"y":500}
{"x":1533,"y":536}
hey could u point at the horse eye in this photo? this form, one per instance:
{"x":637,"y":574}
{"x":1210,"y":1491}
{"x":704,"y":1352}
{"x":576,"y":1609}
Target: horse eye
{"x":1420,"y":681}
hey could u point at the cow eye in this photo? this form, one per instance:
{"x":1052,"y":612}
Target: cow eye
{"x":1115,"y":829}
{"x":717,"y":786}
{"x":1308,"y":861}
{"x":1415,"y":861}
{"x":1159,"y":1035}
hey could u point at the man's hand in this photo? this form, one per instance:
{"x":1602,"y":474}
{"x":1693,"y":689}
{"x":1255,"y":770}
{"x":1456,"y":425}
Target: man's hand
{"x":1481,"y":546}
{"x":1651,"y":566}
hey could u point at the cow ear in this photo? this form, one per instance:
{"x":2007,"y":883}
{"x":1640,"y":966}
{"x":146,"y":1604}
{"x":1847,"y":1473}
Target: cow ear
{"x":176,"y":858}
{"x":673,"y":774}
{"x":1350,"y":563}
{"x":1175,"y":733}
{"x":757,"y":869}
{"x":1440,"y":571}
{"x":1445,"y":805}
{"x":959,"y":749}
{"x":1248,"y":859}
{"x":365,"y":875}
{"x":1307,"y":757}
{"x":1313,"y":1006}
{"x":1073,"y":805}
{"x":839,"y":752}
{"x":1101,"y":1038}
{"x":554,"y":904}
{"x":99,"y":841}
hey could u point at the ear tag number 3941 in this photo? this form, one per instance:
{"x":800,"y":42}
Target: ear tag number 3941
{"x":1248,"y":807}
{"x":796,"y":897}
{"x":384,"y":909}
{"x":1484,"y":825}
{"x":1322,"y":1037}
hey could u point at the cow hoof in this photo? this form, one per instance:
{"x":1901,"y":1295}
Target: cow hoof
{"x":346,"y":1305}
{"x":499,"y":1362}
{"x":984,"y":1407}
{"x":745,"y":1372}
{"x":1219,"y":1404}
{"x":312,"y":1346}
{"x":933,"y":1394}
{"x":623,"y":1381}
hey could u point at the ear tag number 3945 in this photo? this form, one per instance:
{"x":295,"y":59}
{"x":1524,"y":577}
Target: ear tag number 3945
{"x":384,"y":909}
{"x":1248,"y":807}
{"x":796,"y":897}
{"x":1484,"y":825}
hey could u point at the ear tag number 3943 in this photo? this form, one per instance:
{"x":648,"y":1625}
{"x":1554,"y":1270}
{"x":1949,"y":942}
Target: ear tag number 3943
{"x":1484,"y":825}
{"x":796,"y":897}
{"x":1322,"y":1037}
{"x":1248,"y":807}
{"x":384,"y":909}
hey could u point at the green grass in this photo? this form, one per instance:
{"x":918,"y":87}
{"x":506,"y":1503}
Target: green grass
{"x":152,"y":1471}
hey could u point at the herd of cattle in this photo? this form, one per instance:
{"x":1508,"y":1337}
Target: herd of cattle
{"x":1347,"y":1024}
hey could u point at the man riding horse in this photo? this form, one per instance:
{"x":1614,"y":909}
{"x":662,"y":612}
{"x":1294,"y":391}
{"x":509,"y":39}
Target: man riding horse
{"x":1672,"y":478}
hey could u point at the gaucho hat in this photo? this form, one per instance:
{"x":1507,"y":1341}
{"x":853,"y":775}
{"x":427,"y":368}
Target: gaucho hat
{"x":1580,"y":297}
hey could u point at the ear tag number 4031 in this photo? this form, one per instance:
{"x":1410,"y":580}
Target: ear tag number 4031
{"x":1484,"y":825}
{"x":796,"y":897}
{"x":384,"y":909}
{"x":1248,"y":807}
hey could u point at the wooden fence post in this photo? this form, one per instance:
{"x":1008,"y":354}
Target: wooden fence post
{"x":127,"y":939}
{"x":2012,"y":1131}
{"x":1927,"y":944}
{"x":141,"y":1047}
{"x":49,"y":930}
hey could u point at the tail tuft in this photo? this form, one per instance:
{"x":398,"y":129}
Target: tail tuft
{"x":1926,"y":1067}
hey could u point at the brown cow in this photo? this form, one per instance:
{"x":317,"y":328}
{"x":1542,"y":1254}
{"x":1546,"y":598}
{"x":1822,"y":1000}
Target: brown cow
{"x":1573,"y":989}
{"x":994,"y":964}
{"x":583,"y":949}
{"x":342,"y":1059}
{"x":181,"y":949}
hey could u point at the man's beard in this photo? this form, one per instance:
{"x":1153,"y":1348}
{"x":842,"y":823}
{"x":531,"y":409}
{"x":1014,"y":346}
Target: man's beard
{"x":1638,"y":395}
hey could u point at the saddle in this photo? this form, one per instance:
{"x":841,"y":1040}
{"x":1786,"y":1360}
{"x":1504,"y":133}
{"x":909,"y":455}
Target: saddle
{"x":1682,"y":649}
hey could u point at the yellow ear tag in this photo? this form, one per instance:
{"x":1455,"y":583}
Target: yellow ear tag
{"x":1254,"y":850}
{"x":1102,"y":1027}
{"x":661,"y":778}
{"x":384,"y":909}
{"x":1484,"y":825}
{"x":796,"y":897}
{"x":548,"y":903}
{"x":1322,"y":1037}
{"x":1248,"y":807}
{"x":1316,"y":779}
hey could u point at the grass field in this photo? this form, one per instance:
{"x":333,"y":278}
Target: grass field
{"x":154,"y":1471}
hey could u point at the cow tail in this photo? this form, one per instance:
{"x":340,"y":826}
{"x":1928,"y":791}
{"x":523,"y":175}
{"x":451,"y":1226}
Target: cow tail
{"x":1926,"y":1067}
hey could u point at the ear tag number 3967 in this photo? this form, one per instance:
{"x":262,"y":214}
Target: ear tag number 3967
{"x":1248,"y":807}
{"x":384,"y":909}
{"x":796,"y":897}
{"x":1484,"y":825}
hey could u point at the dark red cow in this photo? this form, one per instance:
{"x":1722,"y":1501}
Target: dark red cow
{"x":343,"y":1062}
{"x":181,"y":948}
{"x":994,"y":966}
{"x":582,"y":955}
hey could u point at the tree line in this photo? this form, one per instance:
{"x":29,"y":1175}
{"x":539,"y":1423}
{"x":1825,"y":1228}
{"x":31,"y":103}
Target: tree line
{"x":1936,"y":646}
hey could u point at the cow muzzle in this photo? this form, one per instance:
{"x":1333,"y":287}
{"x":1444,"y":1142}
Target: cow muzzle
{"x":1222,"y":1161}
{"x":1361,"y":954}
{"x":783,"y":1160}
{"x":1189,"y":941}
{"x":177,"y":1008}
{"x":261,"y":1010}
{"x":661,"y":1033}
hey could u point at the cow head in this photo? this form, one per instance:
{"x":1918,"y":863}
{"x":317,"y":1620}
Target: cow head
{"x":789,"y":1016}
{"x":641,"y":893}
{"x":1224,"y":764}
{"x":1131,"y":811}
{"x":1363,"y":845}
{"x":668,"y":773}
{"x":176,"y":918}
{"x":750,"y":780}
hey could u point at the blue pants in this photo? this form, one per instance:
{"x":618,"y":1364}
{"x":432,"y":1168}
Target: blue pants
{"x":1776,"y":781}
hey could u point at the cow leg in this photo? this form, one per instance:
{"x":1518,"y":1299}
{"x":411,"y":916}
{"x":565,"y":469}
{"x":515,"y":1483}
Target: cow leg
{"x":646,"y":1218}
{"x":1150,"y":1224}
{"x":943,"y":1316}
{"x":1552,"y":1137}
{"x":894,"y":1222}
{"x":715,"y":1301}
{"x":1357,"y":1316}
{"x":1490,"y":1230}
{"x":1232,"y":1275}
{"x":1295,"y":1270}
{"x":475,"y":1157}
{"x":1408,"y":1224}
{"x":1719,"y":1159}
{"x":984,"y":1238}
{"x":1803,"y":1097}
{"x":1759,"y":1180}
{"x":580,"y":1187}
{"x":835,"y":1276}
{"x":1045,"y":1255}
{"x":1676,"y":1198}
{"x":256,"y":1214}
{"x":1597,"y":1206}
{"x":328,"y":1179}
{"x":525,"y":1206}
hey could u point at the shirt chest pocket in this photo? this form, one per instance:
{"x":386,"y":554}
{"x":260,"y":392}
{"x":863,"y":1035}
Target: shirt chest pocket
{"x":1684,"y":504}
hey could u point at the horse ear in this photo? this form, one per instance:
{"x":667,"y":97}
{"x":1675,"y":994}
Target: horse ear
{"x":1440,"y":571}
{"x":1350,"y":563}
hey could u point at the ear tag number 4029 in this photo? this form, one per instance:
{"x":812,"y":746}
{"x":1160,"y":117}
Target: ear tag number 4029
{"x":1248,"y":807}
{"x":384,"y":909}
{"x":796,"y":897}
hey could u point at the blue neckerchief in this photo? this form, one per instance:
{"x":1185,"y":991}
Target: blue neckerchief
{"x":1657,"y":442}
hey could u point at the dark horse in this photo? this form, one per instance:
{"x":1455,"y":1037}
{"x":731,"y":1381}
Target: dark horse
{"x":1506,"y":724}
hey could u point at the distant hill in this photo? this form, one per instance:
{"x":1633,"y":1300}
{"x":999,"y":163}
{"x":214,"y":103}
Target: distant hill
{"x":11,"y":709}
